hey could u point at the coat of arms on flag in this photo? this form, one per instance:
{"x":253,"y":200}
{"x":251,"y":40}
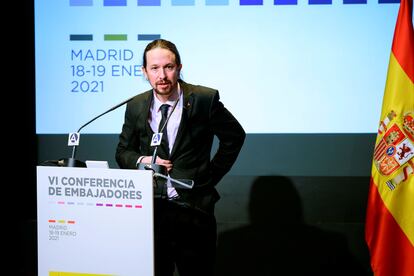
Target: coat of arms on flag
{"x":394,"y":151}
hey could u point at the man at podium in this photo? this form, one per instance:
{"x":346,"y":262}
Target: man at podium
{"x":173,"y":125}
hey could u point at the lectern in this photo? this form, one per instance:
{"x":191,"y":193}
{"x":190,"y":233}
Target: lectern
{"x":94,"y":221}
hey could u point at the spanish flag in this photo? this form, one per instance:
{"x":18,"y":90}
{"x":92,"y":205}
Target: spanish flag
{"x":389,"y":229}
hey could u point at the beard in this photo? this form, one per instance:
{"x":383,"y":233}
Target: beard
{"x":165,"y":88}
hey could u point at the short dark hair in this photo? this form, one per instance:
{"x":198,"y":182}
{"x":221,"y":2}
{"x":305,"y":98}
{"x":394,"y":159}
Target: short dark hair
{"x":163,"y":44}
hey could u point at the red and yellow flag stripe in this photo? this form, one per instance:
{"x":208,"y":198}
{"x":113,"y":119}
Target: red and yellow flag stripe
{"x":390,"y":211}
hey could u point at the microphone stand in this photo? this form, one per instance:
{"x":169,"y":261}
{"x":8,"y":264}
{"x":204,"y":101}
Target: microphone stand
{"x":177,"y":182}
{"x":71,"y":161}
{"x":160,"y":172}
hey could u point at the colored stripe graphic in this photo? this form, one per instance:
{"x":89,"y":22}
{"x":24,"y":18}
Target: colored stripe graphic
{"x":115,"y":3}
{"x":115,"y":37}
{"x":81,"y":37}
{"x":320,"y":2}
{"x":217,"y":2}
{"x":182,"y":2}
{"x":61,"y":221}
{"x":355,"y":2}
{"x":81,"y":3}
{"x":91,"y":204}
{"x":285,"y":2}
{"x":389,"y":217}
{"x":388,"y":1}
{"x":58,"y":273}
{"x":251,"y":2}
{"x":148,"y":37}
{"x":149,"y":2}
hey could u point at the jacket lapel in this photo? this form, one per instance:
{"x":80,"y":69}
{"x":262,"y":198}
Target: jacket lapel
{"x":186,"y":113}
{"x":147,"y":107}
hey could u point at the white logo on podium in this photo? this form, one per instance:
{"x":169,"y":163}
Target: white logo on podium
{"x":156,"y":139}
{"x":73,"y":139}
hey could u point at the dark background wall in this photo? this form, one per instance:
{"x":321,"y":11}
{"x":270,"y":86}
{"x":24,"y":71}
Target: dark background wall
{"x":291,"y":203}
{"x":321,"y":178}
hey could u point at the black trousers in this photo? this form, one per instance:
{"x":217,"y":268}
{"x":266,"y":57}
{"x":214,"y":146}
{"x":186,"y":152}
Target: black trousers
{"x":184,"y":238}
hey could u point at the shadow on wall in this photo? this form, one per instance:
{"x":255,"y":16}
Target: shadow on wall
{"x":278,"y":241}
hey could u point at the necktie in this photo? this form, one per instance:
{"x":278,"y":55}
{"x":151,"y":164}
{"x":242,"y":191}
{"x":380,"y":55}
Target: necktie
{"x":164,"y":142}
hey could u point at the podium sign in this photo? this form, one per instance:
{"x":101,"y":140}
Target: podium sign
{"x":94,"y":222}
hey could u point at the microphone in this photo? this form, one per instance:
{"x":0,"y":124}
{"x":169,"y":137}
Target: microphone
{"x":160,"y":173}
{"x":156,"y":141}
{"x":156,"y":168}
{"x":74,"y":139}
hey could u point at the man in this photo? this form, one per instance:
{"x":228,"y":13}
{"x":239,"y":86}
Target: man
{"x":185,"y":226}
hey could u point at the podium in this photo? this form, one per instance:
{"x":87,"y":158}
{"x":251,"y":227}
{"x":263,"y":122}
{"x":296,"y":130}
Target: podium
{"x":94,"y":221}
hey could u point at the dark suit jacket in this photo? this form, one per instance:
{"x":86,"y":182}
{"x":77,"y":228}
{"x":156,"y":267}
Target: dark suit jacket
{"x":203,"y":117}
